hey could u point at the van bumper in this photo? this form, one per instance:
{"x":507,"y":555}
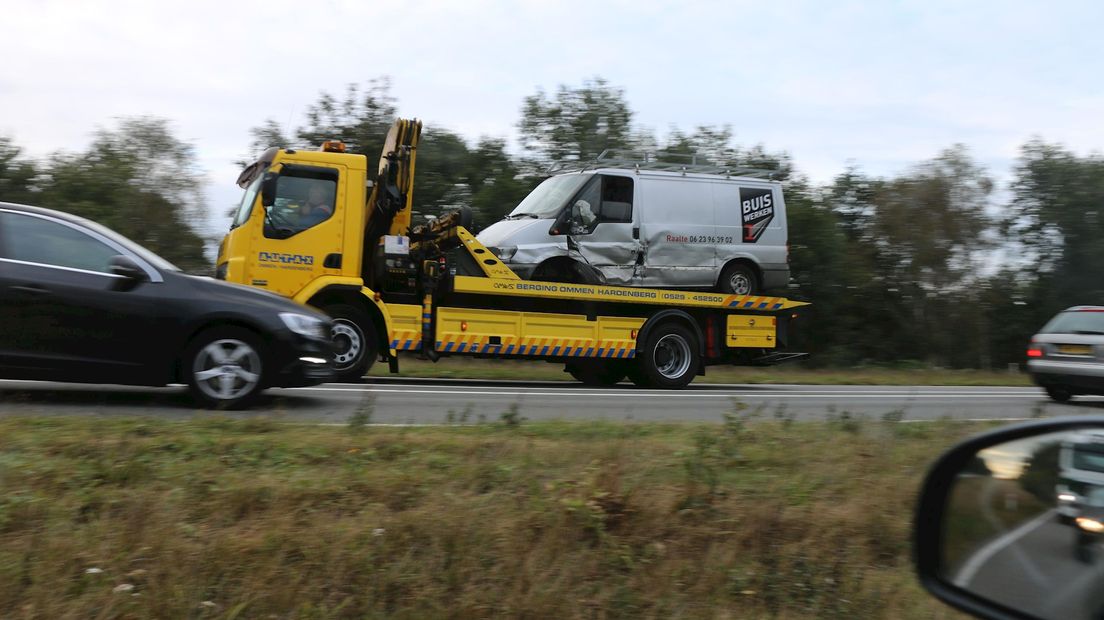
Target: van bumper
{"x":776,"y":276}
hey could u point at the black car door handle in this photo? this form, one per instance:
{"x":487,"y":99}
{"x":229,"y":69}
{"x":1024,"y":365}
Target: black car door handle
{"x":30,"y":289}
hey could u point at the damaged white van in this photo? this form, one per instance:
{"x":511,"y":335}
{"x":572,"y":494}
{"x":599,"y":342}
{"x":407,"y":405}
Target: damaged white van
{"x":648,"y":223}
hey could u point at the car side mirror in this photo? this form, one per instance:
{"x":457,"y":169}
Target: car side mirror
{"x":1010,"y":524}
{"x":129,"y":273}
{"x":268,"y":189}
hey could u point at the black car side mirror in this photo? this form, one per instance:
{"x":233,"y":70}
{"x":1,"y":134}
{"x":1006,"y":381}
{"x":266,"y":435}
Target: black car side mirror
{"x":130,"y":274}
{"x":1010,"y":524}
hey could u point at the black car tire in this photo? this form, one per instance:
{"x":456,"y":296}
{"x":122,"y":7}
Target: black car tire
{"x":597,"y":372}
{"x":738,"y":279}
{"x":356,"y":343}
{"x":1058,"y":394}
{"x":225,"y":367}
{"x":670,"y":359}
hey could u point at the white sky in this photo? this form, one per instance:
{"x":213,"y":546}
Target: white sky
{"x":880,"y":84}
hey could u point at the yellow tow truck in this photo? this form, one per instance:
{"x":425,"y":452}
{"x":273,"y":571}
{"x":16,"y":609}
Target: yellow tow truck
{"x":312,"y":226}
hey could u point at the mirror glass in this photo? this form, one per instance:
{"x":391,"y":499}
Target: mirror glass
{"x":1024,"y":525}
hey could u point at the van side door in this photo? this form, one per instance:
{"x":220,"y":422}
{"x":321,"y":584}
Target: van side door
{"x":605,"y":238}
{"x":677,"y":229}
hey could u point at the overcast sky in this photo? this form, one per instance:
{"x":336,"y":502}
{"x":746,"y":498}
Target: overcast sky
{"x":879,"y":84}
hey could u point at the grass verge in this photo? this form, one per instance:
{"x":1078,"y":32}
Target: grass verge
{"x":110,"y":518}
{"x":462,"y":368}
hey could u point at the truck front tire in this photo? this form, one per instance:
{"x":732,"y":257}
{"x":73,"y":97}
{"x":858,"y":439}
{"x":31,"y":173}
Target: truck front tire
{"x":356,"y":344}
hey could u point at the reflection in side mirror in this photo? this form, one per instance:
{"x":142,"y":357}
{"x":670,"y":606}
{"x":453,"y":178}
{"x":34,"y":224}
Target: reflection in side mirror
{"x":1013,"y":521}
{"x":268,"y":189}
{"x":130,"y":274}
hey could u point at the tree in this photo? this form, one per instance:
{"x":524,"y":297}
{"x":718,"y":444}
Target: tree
{"x":1057,"y":217}
{"x":139,"y":180}
{"x":17,"y":176}
{"x":578,"y":123}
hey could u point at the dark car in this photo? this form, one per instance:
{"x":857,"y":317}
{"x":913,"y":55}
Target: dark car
{"x":81,"y":303}
{"x":1066,"y":357}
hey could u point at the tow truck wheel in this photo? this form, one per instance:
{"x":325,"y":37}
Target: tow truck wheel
{"x":355,"y":342}
{"x":670,"y":358}
{"x":597,"y":372}
{"x":224,"y":367}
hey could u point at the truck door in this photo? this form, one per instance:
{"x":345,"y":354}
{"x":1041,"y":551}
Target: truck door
{"x":603,"y":216}
{"x":678,"y":232}
{"x":300,"y":237}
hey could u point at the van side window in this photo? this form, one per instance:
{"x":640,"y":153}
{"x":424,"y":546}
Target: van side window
{"x":617,"y":198}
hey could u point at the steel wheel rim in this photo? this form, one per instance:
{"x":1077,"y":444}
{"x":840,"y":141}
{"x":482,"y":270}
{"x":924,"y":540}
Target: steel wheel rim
{"x":346,"y":331}
{"x":740,"y":283}
{"x":676,"y":351}
{"x":227,"y":369}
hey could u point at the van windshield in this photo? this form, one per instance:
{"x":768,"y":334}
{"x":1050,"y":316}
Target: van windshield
{"x":546,"y":201}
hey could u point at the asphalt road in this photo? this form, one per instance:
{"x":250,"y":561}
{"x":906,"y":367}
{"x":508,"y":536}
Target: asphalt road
{"x":425,"y":401}
{"x":1034,"y":568}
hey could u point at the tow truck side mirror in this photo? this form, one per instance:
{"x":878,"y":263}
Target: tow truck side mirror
{"x":1010,"y":524}
{"x":268,"y":189}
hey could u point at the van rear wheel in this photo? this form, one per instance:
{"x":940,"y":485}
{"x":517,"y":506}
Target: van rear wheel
{"x":738,"y":279}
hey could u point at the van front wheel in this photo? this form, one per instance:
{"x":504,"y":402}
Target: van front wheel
{"x":738,"y":279}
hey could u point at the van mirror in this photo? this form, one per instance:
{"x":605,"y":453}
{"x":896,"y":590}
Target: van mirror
{"x":1013,"y":521}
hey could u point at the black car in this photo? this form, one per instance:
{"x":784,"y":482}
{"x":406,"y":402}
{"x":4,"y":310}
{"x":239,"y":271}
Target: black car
{"x":81,"y":303}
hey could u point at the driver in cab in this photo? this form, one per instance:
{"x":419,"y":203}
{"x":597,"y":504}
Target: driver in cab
{"x":317,"y":208}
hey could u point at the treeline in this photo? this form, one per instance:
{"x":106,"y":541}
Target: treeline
{"x":137,"y":179}
{"x":933,"y":266}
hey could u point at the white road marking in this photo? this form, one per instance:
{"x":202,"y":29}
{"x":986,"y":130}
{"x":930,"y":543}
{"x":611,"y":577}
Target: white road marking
{"x":970,"y":569}
{"x":619,"y":393}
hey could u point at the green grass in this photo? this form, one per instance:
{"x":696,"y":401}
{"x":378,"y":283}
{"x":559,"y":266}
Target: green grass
{"x":463,"y":368}
{"x":141,"y":518}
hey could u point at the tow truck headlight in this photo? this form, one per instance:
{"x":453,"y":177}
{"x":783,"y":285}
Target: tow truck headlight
{"x":505,"y":253}
{"x":1090,"y":525}
{"x":305,"y":325}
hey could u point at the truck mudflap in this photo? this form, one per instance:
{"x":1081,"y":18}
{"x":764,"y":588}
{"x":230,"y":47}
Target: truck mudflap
{"x":779,"y":357}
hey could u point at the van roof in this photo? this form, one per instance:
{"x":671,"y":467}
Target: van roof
{"x":677,"y":163}
{"x":670,"y":174}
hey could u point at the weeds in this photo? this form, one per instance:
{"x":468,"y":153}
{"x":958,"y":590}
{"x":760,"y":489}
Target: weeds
{"x":205,"y":519}
{"x":362,"y":417}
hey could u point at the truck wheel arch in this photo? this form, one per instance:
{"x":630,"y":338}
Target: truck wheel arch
{"x":670,"y":315}
{"x":352,"y":295}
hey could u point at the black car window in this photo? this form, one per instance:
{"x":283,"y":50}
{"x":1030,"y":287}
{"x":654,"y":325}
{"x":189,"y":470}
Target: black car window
{"x":38,"y":240}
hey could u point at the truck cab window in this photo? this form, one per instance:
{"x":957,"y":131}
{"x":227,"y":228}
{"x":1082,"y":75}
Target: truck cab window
{"x":305,"y":198}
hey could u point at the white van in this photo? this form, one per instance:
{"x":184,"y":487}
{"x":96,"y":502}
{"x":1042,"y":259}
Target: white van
{"x":649,"y":224}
